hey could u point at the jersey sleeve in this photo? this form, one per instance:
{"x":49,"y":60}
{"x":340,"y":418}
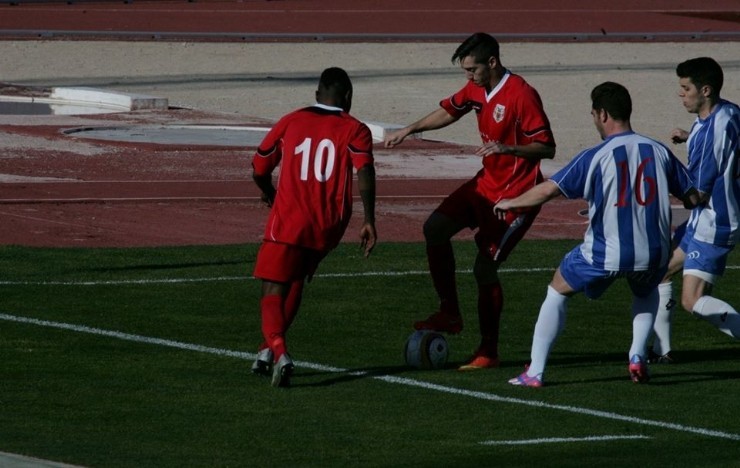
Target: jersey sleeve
{"x":458,"y":104}
{"x":571,"y":179}
{"x":707,"y":169}
{"x":270,"y":151}
{"x":679,"y":181}
{"x":535,"y":126}
{"x":702,"y":163}
{"x":361,"y":147}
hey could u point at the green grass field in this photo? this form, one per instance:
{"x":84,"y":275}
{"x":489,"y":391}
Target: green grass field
{"x":141,"y":358}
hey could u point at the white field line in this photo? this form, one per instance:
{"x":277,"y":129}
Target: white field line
{"x":385,"y":378}
{"x":243,"y":278}
{"x":552,"y":440}
{"x":14,"y":460}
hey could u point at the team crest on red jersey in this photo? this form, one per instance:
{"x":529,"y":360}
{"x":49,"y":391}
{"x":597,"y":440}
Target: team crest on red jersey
{"x":498,"y":113}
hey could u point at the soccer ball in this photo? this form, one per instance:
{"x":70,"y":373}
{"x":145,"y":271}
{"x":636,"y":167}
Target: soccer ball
{"x":426,"y":349}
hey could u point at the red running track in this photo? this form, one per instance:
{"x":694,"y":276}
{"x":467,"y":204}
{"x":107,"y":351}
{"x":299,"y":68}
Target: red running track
{"x":567,"y":20}
{"x":151,"y":195}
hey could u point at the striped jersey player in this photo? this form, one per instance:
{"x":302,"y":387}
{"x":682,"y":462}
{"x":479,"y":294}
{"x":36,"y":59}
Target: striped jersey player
{"x":713,"y":162}
{"x":627,"y":181}
{"x":713,"y":229}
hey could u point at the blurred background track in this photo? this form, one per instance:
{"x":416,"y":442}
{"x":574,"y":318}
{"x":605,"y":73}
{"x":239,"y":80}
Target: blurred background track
{"x":368,"y":20}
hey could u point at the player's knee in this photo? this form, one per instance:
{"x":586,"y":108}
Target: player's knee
{"x":688,"y":301}
{"x":485,"y":270}
{"x":691,"y":292}
{"x":485,"y":276}
{"x":428,"y":229}
{"x":435,"y":230}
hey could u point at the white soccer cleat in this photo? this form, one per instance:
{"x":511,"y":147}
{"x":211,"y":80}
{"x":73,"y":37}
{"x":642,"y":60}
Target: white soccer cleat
{"x":282,"y":371}
{"x":263,"y":364}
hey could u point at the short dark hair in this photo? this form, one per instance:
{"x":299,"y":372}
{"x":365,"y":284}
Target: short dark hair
{"x":480,"y":46}
{"x":614,"y":99}
{"x":335,"y":81}
{"x":702,"y":71}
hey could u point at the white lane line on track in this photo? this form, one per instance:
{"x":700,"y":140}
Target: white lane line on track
{"x":45,"y":220}
{"x":205,"y":181}
{"x":385,"y":378}
{"x":21,"y":201}
{"x":363,"y":11}
{"x":552,"y":440}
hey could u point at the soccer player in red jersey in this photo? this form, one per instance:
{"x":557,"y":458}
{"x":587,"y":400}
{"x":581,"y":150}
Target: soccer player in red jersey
{"x":317,"y":147}
{"x":516,"y":135}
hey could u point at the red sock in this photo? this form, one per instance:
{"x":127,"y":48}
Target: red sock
{"x":273,"y":323}
{"x":292,"y":302}
{"x":441,"y":260}
{"x":490,"y":305}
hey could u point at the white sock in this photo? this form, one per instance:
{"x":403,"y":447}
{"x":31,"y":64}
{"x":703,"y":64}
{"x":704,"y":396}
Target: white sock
{"x":550,"y":323}
{"x":663,"y":319}
{"x":720,"y":314}
{"x":643,"y":316}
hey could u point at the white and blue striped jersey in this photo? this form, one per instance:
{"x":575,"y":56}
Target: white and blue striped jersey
{"x":714,"y":146}
{"x":626,"y":180}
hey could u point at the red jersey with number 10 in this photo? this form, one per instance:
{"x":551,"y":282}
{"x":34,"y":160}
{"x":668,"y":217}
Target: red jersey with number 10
{"x":318,"y":147}
{"x":512,"y":114}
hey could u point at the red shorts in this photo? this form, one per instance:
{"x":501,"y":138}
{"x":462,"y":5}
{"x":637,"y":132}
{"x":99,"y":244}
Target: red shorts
{"x":284,"y":263}
{"x":495,"y":238}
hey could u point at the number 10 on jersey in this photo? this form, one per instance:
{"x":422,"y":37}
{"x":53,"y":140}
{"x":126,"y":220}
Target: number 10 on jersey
{"x":323,"y":158}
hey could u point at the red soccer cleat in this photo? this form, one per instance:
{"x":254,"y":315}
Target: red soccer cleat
{"x":480,"y":361}
{"x":638,"y":369}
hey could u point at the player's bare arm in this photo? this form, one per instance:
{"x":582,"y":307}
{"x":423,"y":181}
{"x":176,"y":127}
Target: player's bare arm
{"x":533,"y":151}
{"x":679,"y":135}
{"x":436,"y":119}
{"x":264,"y":182}
{"x":536,"y":196}
{"x":366,"y":186}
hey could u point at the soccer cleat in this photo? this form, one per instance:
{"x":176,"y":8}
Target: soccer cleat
{"x":282,"y":371}
{"x":480,"y":361}
{"x":524,"y":380}
{"x":263,"y":364}
{"x":655,"y":358}
{"x":638,"y":369}
{"x":441,"y":322}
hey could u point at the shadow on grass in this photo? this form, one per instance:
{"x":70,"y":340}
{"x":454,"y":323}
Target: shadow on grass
{"x":163,"y":266}
{"x":658,"y":379}
{"x":349,"y":375}
{"x":675,"y":374}
{"x":679,"y":372}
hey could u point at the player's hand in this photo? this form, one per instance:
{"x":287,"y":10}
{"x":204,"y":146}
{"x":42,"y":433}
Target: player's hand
{"x":492,"y":147}
{"x":394,"y":138}
{"x":679,"y":135}
{"x":501,"y":208}
{"x":368,"y":238}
